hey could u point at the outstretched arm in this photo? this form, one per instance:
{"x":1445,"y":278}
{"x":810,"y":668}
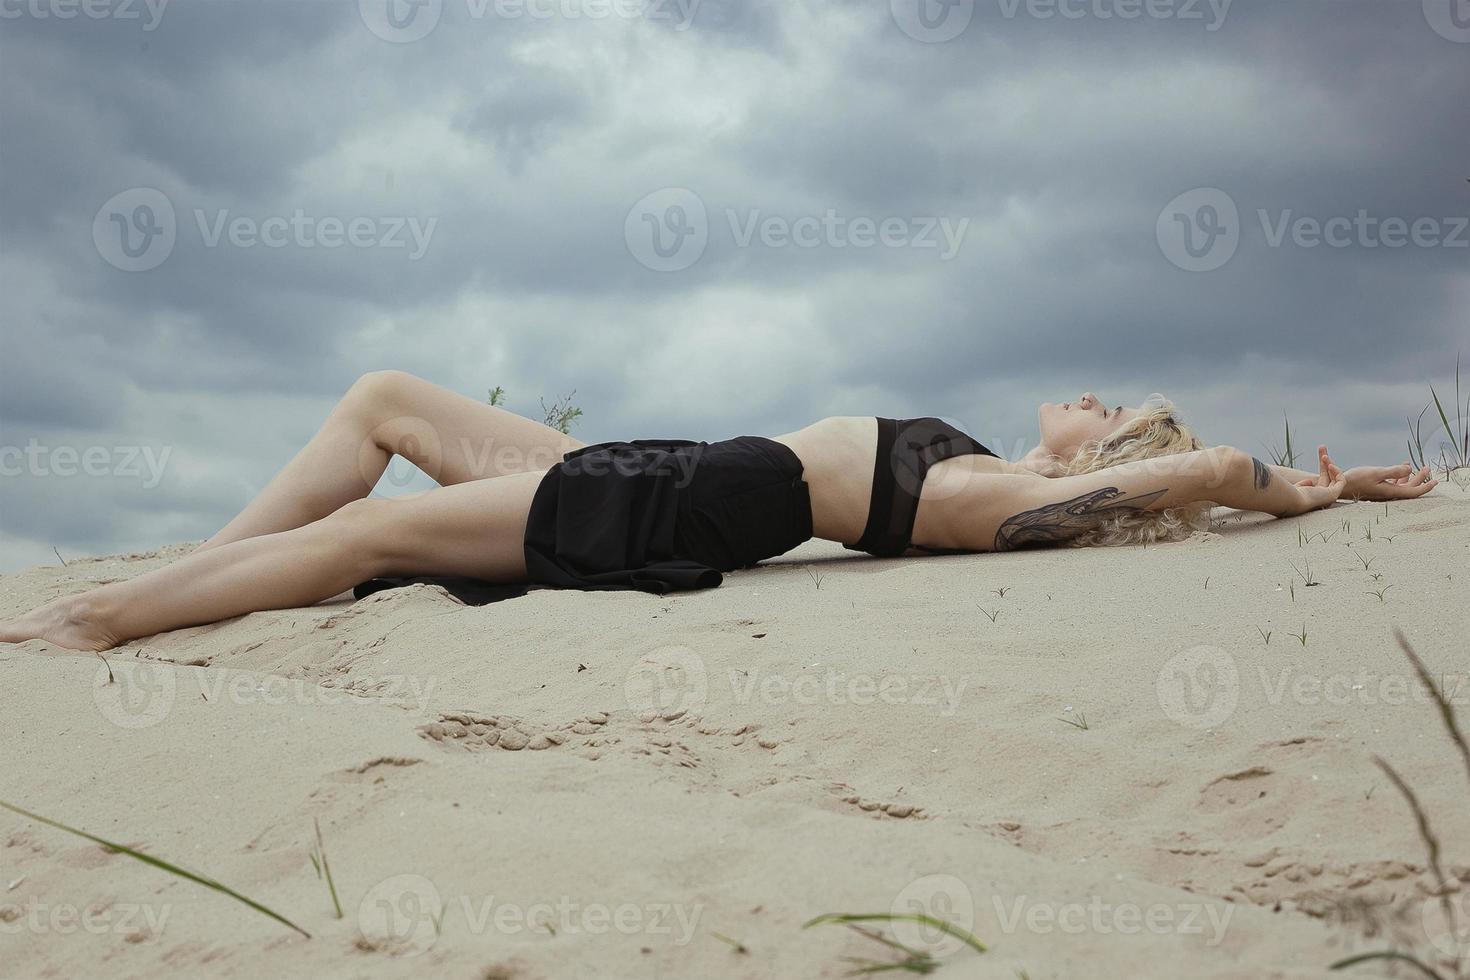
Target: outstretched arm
{"x":1029,"y":512}
{"x":1401,"y":482}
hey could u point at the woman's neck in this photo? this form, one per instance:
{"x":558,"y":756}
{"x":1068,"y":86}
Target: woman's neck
{"x":1041,"y":462}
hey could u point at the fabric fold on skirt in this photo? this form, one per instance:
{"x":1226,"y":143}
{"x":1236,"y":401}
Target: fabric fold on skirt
{"x":606,"y":518}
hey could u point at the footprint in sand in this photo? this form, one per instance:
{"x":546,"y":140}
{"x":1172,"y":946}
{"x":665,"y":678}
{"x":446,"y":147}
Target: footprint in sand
{"x":875,"y":808}
{"x":503,"y":732}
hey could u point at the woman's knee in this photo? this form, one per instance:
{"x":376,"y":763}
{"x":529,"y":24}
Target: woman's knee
{"x":360,"y":529}
{"x":378,"y":394}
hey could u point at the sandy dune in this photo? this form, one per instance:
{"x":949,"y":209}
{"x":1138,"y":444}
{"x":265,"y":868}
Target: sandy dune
{"x":573,"y":785}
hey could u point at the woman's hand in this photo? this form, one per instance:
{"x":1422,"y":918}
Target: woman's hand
{"x":1399,"y":482}
{"x":1325,"y":489}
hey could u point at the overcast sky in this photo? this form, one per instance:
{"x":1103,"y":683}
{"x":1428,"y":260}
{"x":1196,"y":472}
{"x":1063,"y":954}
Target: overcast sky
{"x":709,"y":218}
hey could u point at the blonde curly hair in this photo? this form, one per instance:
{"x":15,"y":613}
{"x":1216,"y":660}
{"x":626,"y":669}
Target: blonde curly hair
{"x":1157,"y":430}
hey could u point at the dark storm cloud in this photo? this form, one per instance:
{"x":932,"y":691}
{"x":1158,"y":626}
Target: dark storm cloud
{"x":1044,"y":138}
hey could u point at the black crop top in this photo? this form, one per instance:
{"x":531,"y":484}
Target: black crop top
{"x":906,"y":450}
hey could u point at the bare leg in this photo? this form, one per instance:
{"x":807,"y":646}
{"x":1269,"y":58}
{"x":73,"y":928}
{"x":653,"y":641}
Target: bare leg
{"x":452,"y":438}
{"x":475,"y":529}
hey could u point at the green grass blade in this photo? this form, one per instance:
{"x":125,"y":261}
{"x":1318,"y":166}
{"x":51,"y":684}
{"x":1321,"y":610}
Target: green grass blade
{"x":1401,"y":957}
{"x":928,"y":920}
{"x":1444,"y":419}
{"x":161,"y":864}
{"x":326,"y":868}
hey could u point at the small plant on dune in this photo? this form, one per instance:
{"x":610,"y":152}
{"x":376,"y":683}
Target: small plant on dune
{"x":1458,"y":961}
{"x":1366,"y":561}
{"x":560,"y":415}
{"x":1379,"y":592}
{"x":1079,"y":722}
{"x":1454,"y":455}
{"x":149,"y":859}
{"x":1265,"y":635}
{"x":988,"y":614}
{"x":816,"y":577}
{"x":1285,"y":456}
{"x":1302,"y":635}
{"x":910,"y":960}
{"x":318,"y":857}
{"x":734,"y":944}
{"x":1307,"y":578}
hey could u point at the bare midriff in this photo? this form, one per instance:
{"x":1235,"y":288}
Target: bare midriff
{"x":837,"y":464}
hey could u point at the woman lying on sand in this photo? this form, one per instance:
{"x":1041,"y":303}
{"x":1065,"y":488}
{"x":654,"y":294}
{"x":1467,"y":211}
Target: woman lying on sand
{"x":664,"y":515}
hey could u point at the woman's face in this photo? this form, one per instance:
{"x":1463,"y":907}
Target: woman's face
{"x":1067,"y":425}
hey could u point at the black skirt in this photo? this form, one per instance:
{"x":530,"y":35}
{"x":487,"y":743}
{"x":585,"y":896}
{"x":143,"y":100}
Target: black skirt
{"x":665,"y":515}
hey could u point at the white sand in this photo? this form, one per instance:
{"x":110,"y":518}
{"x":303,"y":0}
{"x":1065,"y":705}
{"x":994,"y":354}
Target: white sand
{"x":882,"y":746}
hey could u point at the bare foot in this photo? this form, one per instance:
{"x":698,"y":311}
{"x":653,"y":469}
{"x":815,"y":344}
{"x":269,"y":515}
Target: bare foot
{"x":72,"y":622}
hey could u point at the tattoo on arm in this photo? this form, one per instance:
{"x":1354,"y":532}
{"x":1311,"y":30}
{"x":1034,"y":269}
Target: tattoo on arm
{"x":1263,"y":474}
{"x":1062,"y":521}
